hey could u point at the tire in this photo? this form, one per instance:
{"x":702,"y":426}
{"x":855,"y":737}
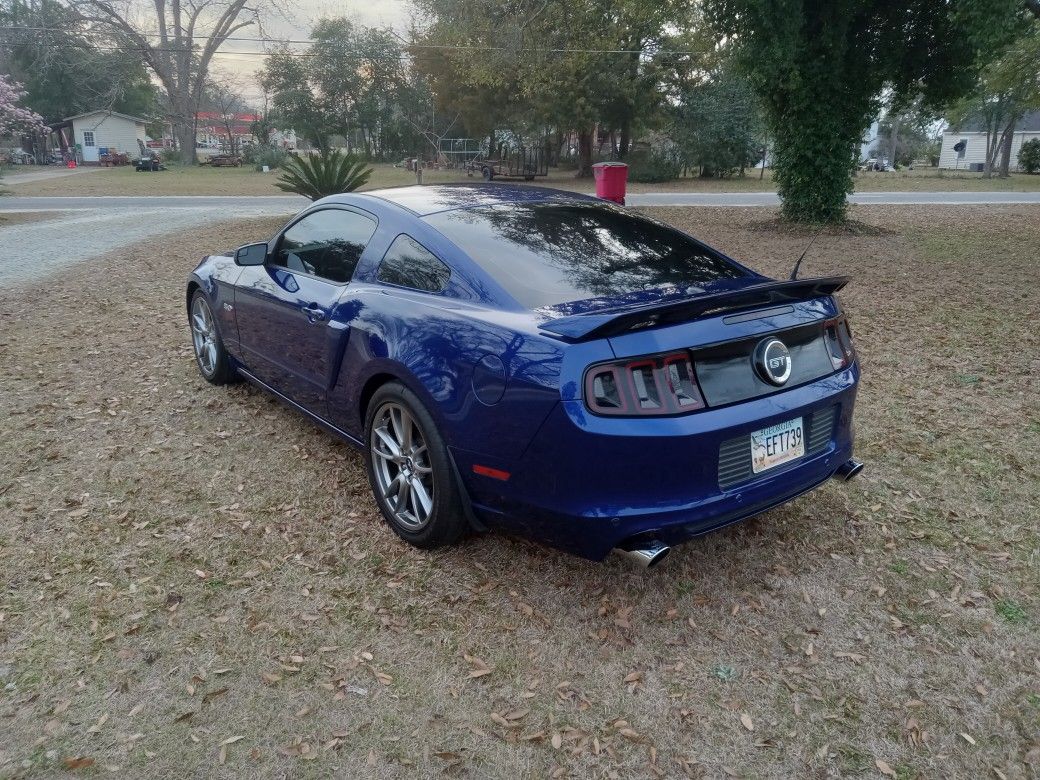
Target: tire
{"x":397,"y":420}
{"x":487,"y":174}
{"x":210,"y":356}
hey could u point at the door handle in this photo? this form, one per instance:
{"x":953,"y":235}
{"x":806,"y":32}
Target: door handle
{"x":314,"y":313}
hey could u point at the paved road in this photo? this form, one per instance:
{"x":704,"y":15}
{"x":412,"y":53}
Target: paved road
{"x":223,"y":206}
{"x":86,"y":227}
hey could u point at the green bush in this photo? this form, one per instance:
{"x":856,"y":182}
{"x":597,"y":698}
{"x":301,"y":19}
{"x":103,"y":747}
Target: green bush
{"x":1029,"y":156}
{"x":318,"y":176}
{"x":259,"y":156}
{"x":655,"y":167}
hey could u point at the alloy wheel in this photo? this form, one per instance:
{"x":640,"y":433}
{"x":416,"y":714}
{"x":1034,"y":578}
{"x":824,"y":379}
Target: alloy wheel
{"x":402,"y":467}
{"x":204,"y":336}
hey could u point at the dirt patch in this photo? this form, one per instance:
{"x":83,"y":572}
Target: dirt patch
{"x":196,"y":582}
{"x":8,"y":218}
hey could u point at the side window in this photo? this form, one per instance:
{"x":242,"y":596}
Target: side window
{"x":408,"y":263}
{"x":88,"y":137}
{"x":327,"y":243}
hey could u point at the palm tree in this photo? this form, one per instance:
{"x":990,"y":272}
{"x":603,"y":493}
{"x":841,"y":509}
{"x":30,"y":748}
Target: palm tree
{"x":325,"y":174}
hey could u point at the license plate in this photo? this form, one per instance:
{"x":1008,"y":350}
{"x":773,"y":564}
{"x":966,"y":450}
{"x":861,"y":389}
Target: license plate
{"x":777,"y":444}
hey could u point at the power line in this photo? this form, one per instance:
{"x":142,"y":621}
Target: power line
{"x":435,"y":46}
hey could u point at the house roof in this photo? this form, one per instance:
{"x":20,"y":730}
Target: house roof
{"x":1030,"y":123}
{"x":238,"y":117}
{"x":107,"y":113}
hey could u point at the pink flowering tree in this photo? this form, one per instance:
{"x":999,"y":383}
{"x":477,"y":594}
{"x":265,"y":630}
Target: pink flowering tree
{"x":15,"y":119}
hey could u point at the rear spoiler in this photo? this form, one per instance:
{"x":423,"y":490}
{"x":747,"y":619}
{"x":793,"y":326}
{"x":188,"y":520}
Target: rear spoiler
{"x":613,"y":322}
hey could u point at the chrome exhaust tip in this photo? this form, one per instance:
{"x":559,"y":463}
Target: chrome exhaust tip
{"x":848,"y":470}
{"x":646,"y":553}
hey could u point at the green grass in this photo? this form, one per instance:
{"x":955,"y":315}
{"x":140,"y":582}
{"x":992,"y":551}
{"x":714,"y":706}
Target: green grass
{"x":1011,"y":611}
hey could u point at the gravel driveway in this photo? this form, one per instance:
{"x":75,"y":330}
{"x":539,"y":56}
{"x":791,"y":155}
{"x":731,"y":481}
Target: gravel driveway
{"x":31,"y":250}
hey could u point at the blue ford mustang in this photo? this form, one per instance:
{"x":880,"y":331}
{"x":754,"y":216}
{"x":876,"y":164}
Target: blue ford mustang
{"x":537,"y":361}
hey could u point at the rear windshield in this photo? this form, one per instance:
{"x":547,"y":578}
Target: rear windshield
{"x":549,"y":253}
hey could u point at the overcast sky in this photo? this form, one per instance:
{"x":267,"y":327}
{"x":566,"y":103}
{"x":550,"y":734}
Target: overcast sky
{"x":297,"y":23}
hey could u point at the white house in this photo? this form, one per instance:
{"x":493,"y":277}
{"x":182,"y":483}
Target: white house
{"x":98,"y":131}
{"x":869,"y":140}
{"x":972,"y":156}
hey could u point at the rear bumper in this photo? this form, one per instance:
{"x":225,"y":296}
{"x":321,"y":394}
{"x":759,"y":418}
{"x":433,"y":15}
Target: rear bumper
{"x":588,"y":483}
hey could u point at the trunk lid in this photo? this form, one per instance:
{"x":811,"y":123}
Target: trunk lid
{"x":644,"y":310}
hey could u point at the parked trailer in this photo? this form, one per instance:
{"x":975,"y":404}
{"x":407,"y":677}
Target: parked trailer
{"x":522,"y":164}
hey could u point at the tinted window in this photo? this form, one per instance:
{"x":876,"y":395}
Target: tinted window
{"x":545,"y":253}
{"x":326,"y":243}
{"x":409,"y":264}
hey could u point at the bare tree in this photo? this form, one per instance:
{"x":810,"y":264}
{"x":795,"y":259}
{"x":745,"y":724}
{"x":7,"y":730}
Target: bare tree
{"x":177,"y":39}
{"x":225,"y":96}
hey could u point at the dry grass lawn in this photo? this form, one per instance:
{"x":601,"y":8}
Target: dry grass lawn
{"x":245,"y":181}
{"x":196,"y":583}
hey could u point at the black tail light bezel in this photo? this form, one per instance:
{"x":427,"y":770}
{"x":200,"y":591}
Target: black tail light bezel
{"x":631,"y":402}
{"x":838,"y":336}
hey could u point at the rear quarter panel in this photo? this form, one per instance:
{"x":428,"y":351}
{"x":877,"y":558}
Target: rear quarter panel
{"x":434,"y":346}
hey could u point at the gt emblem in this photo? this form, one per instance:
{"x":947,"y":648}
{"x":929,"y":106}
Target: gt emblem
{"x":772,"y":361}
{"x":228,"y":306}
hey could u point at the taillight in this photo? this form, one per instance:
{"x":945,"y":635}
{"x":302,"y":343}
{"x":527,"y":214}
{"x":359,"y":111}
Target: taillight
{"x":655,"y":385}
{"x":839,"y":342}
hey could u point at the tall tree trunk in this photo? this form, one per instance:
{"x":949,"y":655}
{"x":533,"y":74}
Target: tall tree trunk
{"x":184,"y":132}
{"x":893,"y":141}
{"x":626,"y":139}
{"x":813,"y":169}
{"x":1005,"y":148}
{"x":585,"y":153}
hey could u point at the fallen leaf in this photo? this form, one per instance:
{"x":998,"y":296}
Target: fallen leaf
{"x":78,"y":762}
{"x":885,"y":769}
{"x":749,"y":724}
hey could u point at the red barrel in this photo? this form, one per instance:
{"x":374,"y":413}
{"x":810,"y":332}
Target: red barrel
{"x":611,"y":178}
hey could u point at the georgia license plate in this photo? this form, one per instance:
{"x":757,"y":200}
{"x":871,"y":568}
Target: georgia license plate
{"x":777,"y":444}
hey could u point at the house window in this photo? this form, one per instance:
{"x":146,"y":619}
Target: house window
{"x":88,"y":137}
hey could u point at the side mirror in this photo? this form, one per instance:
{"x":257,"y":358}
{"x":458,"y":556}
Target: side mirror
{"x":251,"y":254}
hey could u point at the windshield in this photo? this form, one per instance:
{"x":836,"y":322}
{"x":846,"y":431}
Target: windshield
{"x":550,"y":253}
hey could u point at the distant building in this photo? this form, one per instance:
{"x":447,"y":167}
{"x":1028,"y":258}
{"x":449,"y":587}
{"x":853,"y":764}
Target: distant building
{"x":972,"y":156}
{"x":212,"y":131}
{"x":283,"y":139}
{"x":101,"y":132}
{"x":869,"y":141}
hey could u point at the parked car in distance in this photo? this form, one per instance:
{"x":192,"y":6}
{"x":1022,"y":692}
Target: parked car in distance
{"x":537,"y":361}
{"x":875,"y":164}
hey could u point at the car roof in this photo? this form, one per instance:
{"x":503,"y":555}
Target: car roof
{"x":432,"y":198}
